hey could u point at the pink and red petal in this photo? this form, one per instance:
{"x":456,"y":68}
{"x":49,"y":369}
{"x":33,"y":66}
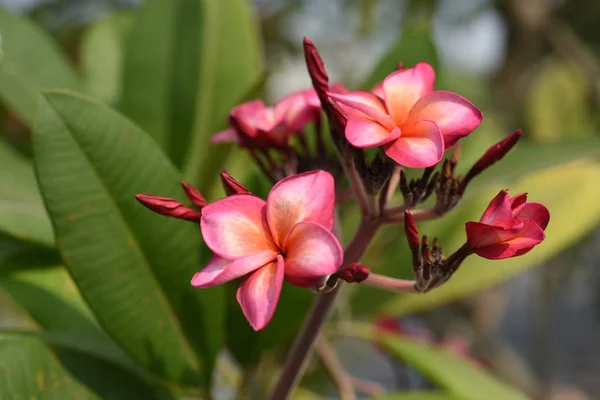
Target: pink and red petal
{"x":226,"y":136}
{"x":481,"y":235}
{"x":402,"y":89}
{"x":536,"y":212}
{"x":259,"y":293}
{"x":421,"y":147}
{"x":306,"y":197}
{"x":367,"y":103}
{"x":311,"y":252}
{"x":365,"y":133}
{"x":234,"y":227}
{"x":455,"y":116}
{"x":528,"y":236}
{"x":220,"y":270}
{"x":499,"y":212}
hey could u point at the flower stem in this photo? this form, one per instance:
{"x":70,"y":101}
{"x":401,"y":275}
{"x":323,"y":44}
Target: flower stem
{"x":319,"y":312}
{"x":389,"y":283}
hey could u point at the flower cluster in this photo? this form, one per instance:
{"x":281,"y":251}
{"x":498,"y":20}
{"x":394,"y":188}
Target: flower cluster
{"x":290,"y":236}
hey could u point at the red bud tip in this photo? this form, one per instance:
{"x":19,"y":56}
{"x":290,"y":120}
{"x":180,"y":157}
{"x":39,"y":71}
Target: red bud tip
{"x":194,"y":195}
{"x":354,"y":273}
{"x":411,"y":230}
{"x":316,"y":69}
{"x":168,"y":207}
{"x":232,"y":186}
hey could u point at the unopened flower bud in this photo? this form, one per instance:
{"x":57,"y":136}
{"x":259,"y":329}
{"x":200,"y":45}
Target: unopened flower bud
{"x":194,"y":195}
{"x":232,"y":186}
{"x":411,"y":230}
{"x":353,"y":273}
{"x":168,"y":207}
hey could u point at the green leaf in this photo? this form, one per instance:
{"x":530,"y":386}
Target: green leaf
{"x":101,"y":56}
{"x":454,"y":374}
{"x":133,"y":267}
{"x":570,"y":196}
{"x":187,"y":63}
{"x":30,"y":60}
{"x":22,"y":212}
{"x":29,"y":370}
{"x":429,"y":395}
{"x":413,"y":46}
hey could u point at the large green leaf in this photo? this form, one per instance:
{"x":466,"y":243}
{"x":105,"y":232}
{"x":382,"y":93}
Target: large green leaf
{"x":570,"y":196}
{"x":29,"y":61}
{"x":22,"y":214}
{"x":187,"y":63}
{"x":453,"y":373}
{"x":29,"y":370}
{"x":132,"y":266}
{"x":414,"y":45}
{"x":101,"y":54}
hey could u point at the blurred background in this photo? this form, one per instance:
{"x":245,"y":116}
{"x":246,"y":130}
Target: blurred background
{"x":530,"y":64}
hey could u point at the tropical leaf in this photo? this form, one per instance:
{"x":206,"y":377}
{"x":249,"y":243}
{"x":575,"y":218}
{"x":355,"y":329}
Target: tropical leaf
{"x":22,"y":213}
{"x":132,"y":267}
{"x":30,"y":60}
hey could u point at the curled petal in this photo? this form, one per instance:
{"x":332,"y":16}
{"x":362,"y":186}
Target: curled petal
{"x":295,"y":110}
{"x":259,"y":293}
{"x":481,"y":235}
{"x":234,"y":227}
{"x":499,"y":211}
{"x":517,"y":201}
{"x":402,"y":89}
{"x":422,"y":147}
{"x":528,"y":236}
{"x":536,"y":212}
{"x":455,"y":116}
{"x":367,"y":103}
{"x":226,"y":136}
{"x":308,"y":197}
{"x":220,"y":270}
{"x":364,"y":133}
{"x":252,"y":113}
{"x":311,"y":253}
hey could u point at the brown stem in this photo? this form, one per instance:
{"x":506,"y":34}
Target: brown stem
{"x":418,"y":215}
{"x":318,"y":314}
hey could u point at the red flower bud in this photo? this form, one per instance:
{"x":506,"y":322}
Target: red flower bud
{"x":232,"y":186}
{"x":411,"y":230}
{"x":491,"y":156}
{"x":194,"y":195}
{"x":353,"y":273}
{"x":169,"y":207}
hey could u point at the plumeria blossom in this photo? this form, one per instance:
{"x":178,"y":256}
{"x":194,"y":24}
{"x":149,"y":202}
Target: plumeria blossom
{"x":509,"y":227}
{"x":414,"y":123}
{"x":252,"y":124}
{"x":286,"y":237}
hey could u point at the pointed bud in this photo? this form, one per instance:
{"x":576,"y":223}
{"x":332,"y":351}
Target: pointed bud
{"x":194,"y":195}
{"x":316,"y":70}
{"x":232,"y":186}
{"x":456,"y":153}
{"x":491,"y":156}
{"x":168,"y":207}
{"x":353,"y":273}
{"x":410,"y":228}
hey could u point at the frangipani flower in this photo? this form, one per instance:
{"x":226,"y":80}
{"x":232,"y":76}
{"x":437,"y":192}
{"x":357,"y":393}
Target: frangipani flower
{"x":286,"y":237}
{"x":509,"y":227}
{"x":414,"y":123}
{"x":252,"y":124}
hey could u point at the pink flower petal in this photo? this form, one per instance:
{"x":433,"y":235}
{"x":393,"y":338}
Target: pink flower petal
{"x":528,"y":237}
{"x":536,"y":212}
{"x":364,"y":133}
{"x":367,"y":103}
{"x":309,"y":197}
{"x":234,"y":227}
{"x":499,"y":211}
{"x":311,"y":252}
{"x":226,"y":136}
{"x":220,"y":270}
{"x":481,"y":235}
{"x":422,"y":147}
{"x":259,"y":293}
{"x":402,"y":89}
{"x":295,"y":110}
{"x":454,"y":115}
{"x":517,"y":201}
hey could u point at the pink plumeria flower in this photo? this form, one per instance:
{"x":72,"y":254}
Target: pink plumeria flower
{"x":252,"y":124}
{"x":509,"y":227}
{"x":286,"y":237}
{"x":414,"y":123}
